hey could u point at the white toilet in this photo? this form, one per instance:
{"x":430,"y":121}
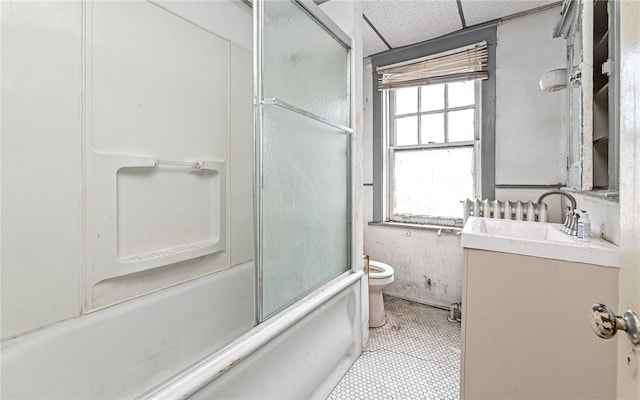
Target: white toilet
{"x":380,"y":276}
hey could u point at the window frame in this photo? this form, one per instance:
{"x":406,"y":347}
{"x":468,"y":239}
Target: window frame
{"x":392,"y":149}
{"x":484,"y":162}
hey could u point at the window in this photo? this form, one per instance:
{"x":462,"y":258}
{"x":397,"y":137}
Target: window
{"x":433,"y":135}
{"x":434,"y":128}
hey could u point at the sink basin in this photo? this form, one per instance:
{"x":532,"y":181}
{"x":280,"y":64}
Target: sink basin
{"x":536,"y":239}
{"x":525,"y":230}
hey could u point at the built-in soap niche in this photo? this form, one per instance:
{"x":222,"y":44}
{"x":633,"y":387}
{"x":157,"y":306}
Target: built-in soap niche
{"x":166,"y":210}
{"x":145,"y":214}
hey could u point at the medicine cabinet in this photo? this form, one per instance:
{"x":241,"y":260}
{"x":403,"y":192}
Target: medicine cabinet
{"x":590,"y":30}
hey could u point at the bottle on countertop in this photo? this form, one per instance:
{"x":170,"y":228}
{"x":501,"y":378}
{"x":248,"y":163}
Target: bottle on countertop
{"x":584,"y":227}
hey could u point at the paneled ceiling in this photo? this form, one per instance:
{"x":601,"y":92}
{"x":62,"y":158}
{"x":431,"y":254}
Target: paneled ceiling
{"x":403,"y":22}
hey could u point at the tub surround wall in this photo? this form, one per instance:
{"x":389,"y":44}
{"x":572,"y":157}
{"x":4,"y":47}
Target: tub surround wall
{"x":44,"y":257}
{"x":429,"y":266}
{"x":42,"y":253}
{"x":226,"y":18}
{"x":145,"y":225}
{"x":122,"y":351}
{"x":168,"y":319}
{"x":193,"y":312}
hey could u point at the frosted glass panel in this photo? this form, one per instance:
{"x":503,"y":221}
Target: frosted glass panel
{"x":304,"y":212}
{"x":303,"y":64}
{"x":432,"y":182}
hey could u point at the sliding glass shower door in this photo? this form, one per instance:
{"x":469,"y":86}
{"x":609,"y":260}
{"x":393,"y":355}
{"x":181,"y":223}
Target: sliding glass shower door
{"x":302,"y":151}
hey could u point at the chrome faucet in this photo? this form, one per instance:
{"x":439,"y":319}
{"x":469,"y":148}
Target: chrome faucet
{"x":571,"y":227}
{"x":571,"y":218}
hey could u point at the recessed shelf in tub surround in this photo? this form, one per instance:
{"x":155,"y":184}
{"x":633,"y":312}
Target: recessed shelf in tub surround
{"x":156,"y":151}
{"x":137,"y":221}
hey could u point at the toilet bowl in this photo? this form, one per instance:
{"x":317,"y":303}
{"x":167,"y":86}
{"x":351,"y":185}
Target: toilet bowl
{"x":380,"y":276}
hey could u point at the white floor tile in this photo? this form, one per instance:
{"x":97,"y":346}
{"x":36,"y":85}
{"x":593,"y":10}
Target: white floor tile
{"x":415,"y":355}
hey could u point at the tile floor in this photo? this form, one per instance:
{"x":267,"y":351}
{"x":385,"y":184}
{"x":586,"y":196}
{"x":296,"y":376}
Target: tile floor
{"x":415,"y":355}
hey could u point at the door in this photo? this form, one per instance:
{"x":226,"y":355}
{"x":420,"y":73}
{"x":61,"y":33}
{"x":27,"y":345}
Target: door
{"x":629,"y":287}
{"x":302,"y":153}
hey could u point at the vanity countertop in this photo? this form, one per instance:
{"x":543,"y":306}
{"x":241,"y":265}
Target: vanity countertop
{"x":537,"y":239}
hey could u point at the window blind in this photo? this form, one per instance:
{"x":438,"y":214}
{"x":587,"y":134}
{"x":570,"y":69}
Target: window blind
{"x":463,"y":63}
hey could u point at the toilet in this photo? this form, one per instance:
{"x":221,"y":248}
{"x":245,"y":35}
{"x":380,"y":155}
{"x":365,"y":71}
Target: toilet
{"x":380,"y":276}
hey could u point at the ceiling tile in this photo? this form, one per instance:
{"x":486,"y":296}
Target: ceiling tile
{"x":478,"y":11}
{"x":372,"y":43}
{"x":404,"y":22}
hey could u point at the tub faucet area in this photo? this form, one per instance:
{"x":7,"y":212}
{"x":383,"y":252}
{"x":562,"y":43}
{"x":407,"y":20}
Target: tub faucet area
{"x":571,"y":218}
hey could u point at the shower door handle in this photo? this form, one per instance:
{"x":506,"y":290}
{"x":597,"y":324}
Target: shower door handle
{"x":605,"y":323}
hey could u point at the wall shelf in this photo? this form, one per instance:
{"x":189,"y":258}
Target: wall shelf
{"x":601,"y":97}
{"x":600,"y":150}
{"x":590,"y":33}
{"x":601,"y":48}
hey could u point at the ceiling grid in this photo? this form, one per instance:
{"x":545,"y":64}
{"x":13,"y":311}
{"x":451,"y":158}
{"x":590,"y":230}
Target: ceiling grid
{"x":397,"y":23}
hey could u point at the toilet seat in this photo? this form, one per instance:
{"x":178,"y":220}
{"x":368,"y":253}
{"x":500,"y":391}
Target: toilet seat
{"x":379,"y":270}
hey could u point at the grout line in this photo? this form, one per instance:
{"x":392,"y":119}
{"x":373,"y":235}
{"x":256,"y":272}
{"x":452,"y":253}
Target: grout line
{"x":406,"y":354}
{"x":402,"y":353}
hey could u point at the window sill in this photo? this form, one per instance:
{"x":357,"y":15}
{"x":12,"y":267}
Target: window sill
{"x":418,"y":227}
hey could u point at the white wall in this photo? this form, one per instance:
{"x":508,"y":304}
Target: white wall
{"x":182,"y":311}
{"x":347,"y":15}
{"x":529,"y":150}
{"x":531,"y":132}
{"x":428,"y":266}
{"x":530,"y":129}
{"x":604,"y":215}
{"x":530,"y":123}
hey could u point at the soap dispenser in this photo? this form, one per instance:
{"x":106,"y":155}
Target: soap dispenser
{"x":584,"y":227}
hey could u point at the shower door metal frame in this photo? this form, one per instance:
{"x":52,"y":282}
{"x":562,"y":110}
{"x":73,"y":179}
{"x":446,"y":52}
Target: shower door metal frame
{"x":259,"y":101}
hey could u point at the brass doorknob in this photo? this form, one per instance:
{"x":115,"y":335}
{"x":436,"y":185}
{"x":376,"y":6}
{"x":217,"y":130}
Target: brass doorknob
{"x":605,"y":323}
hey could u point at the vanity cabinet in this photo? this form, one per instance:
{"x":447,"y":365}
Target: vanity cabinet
{"x":589,"y":28}
{"x":526,"y":330}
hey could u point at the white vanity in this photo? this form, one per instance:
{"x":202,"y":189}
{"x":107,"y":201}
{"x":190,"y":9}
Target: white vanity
{"x":526,"y":329}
